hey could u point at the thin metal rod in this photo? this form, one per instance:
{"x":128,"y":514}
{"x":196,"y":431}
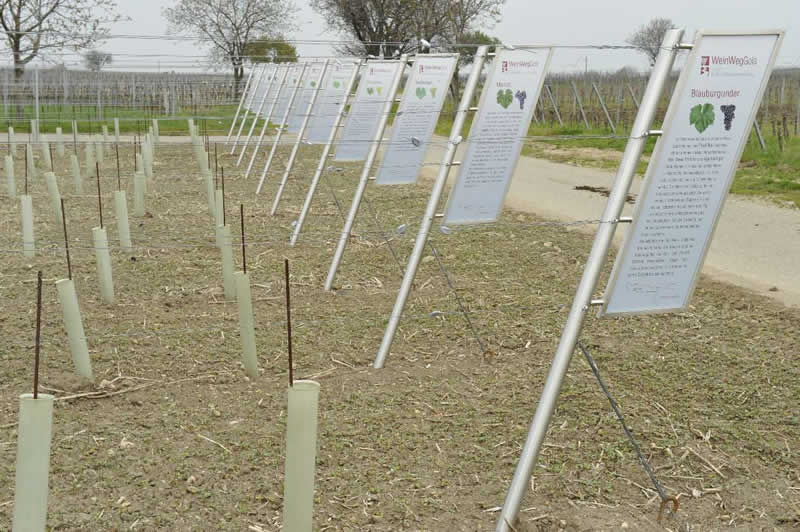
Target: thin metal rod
{"x":580,"y":103}
{"x":553,"y":103}
{"x":247,"y":109}
{"x":119,"y":181}
{"x":364,"y":179}
{"x":52,"y":159}
{"x":282,"y":127}
{"x":300,"y":135}
{"x":324,"y":156}
{"x":272,"y":77}
{"x":621,"y":418}
{"x":265,"y":125}
{"x":433,"y":205}
{"x":244,"y":246}
{"x":38,"y":335}
{"x":99,"y":198}
{"x":66,"y":239}
{"x":605,"y":109}
{"x":288,"y":321}
{"x":241,"y":102}
{"x":591,"y":274}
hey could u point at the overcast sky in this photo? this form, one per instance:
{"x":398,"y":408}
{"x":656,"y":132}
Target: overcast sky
{"x":561,"y":22}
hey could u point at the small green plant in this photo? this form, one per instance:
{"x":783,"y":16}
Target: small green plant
{"x":421,"y":92}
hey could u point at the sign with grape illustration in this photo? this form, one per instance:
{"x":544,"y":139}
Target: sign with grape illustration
{"x":690,"y":172}
{"x":416,"y":118}
{"x":304,"y":95}
{"x":362,"y":122}
{"x":330,"y":98}
{"x":497,"y":135}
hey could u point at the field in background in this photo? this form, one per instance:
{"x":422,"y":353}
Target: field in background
{"x":580,"y":119}
{"x":184,"y":441}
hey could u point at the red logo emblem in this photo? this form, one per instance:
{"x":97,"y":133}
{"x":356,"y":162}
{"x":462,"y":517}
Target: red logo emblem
{"x":705,"y":64}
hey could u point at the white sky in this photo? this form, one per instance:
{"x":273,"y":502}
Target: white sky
{"x":563,"y":22}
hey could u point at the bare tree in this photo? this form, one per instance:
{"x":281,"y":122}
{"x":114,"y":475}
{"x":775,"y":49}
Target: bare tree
{"x":648,"y":38}
{"x":229,"y":26}
{"x":386,"y":27}
{"x":95,"y":60}
{"x":33,"y":27}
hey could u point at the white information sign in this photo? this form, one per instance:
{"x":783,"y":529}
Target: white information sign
{"x":283,"y":100}
{"x":277,"y":73}
{"x":497,"y":135}
{"x":416,"y":118}
{"x":362,"y":122}
{"x":262,"y":87}
{"x":705,"y":130}
{"x":252,"y":92}
{"x":328,"y":102}
{"x":304,"y":95}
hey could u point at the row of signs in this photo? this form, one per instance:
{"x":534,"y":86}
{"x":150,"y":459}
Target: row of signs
{"x":689,"y":175}
{"x":509,"y":98}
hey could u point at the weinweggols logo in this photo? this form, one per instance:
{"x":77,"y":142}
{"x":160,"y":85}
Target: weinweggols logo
{"x":432,"y":68}
{"x":706,"y":61}
{"x":518,"y":66}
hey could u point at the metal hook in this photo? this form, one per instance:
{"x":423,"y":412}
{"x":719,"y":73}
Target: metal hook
{"x":664,"y":502}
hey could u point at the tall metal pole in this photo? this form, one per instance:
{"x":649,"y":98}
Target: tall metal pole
{"x":283,"y":126}
{"x":591,"y":274}
{"x":324,"y":157}
{"x":36,"y":103}
{"x":241,"y":102}
{"x":362,"y":183}
{"x":265,"y":125}
{"x":433,"y":204}
{"x":272,"y":76}
{"x":299,"y":139}
{"x":247,"y":109}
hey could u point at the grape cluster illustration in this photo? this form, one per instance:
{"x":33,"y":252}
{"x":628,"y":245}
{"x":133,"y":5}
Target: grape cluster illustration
{"x":521,"y":95}
{"x":728,"y":111}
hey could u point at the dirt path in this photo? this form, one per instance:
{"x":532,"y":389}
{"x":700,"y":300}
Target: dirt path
{"x":756,"y":244}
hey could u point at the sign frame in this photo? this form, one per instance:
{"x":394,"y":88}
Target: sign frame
{"x":406,"y":102}
{"x":482,"y":105}
{"x":343,"y":143}
{"x":659,"y":151}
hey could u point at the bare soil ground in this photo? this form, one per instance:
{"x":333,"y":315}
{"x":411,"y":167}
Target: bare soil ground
{"x":181,"y":440}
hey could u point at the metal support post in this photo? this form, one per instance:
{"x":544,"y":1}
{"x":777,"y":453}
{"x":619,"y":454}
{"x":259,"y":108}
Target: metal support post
{"x":265,"y":125}
{"x":282,"y":127}
{"x":591,"y":274}
{"x":247,"y":108}
{"x":553,"y":102}
{"x":324,"y":157}
{"x":299,"y":139}
{"x":430,"y":210}
{"x":365,"y":171}
{"x":36,"y":103}
{"x":579,"y":102}
{"x":605,"y":109}
{"x":272,"y":76}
